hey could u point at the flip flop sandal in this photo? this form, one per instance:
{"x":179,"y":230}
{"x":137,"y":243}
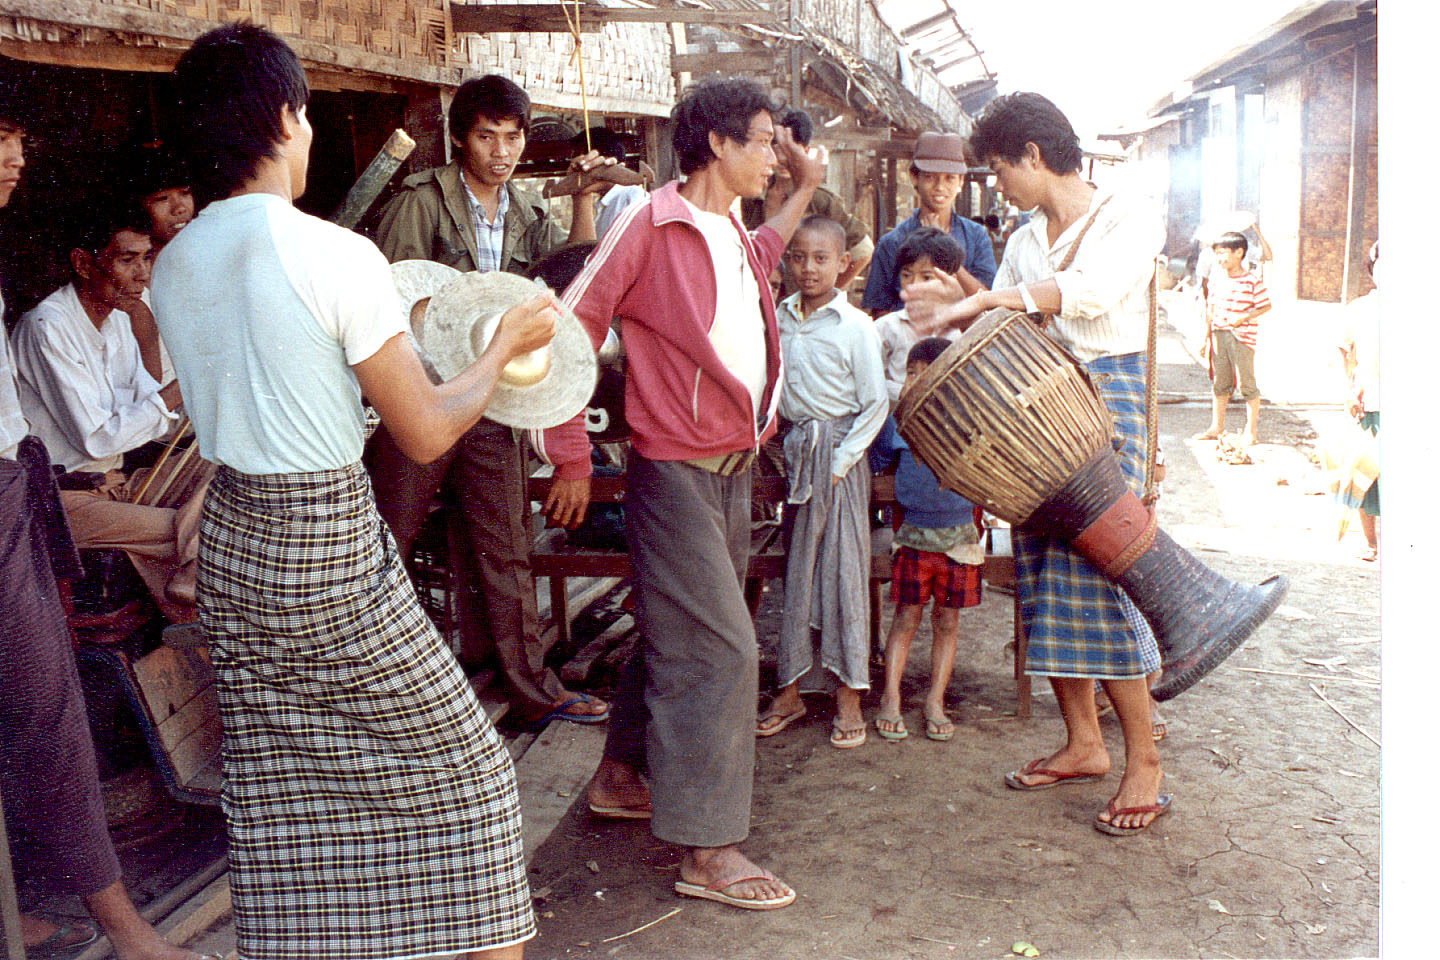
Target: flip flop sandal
{"x":845,"y":739}
{"x":56,"y":945}
{"x":932,"y":730}
{"x":638,"y":812}
{"x":785,"y":720}
{"x":559,"y":714}
{"x":1033,"y":768}
{"x":900,"y":734}
{"x":716,"y":892}
{"x":1159,"y":808}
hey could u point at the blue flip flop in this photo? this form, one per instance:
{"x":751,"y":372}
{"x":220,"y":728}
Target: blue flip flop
{"x":559,"y":713}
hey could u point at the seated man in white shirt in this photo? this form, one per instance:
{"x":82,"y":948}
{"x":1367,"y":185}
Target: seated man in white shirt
{"x":89,"y":397}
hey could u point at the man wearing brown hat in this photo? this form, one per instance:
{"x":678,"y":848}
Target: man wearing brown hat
{"x":938,"y":172}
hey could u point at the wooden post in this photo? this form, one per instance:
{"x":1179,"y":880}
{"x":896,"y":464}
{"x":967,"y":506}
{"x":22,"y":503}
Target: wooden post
{"x":424,"y":120}
{"x":9,"y":908}
{"x":891,"y":194}
{"x":1362,"y":134}
{"x":797,"y":93}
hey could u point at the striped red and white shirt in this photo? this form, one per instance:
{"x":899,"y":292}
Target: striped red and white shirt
{"x":1233,"y":297}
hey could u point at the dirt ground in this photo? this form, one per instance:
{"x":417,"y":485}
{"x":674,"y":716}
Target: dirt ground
{"x":917,"y":850}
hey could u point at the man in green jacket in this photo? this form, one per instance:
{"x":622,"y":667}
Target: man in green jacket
{"x":469,"y":215}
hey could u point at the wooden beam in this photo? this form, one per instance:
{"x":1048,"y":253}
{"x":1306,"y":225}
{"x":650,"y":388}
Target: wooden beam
{"x":747,"y":61}
{"x":550,"y":17}
{"x":93,"y":57}
{"x":929,"y":23}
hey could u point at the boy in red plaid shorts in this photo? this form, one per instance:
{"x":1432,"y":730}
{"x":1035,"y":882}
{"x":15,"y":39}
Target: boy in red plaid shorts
{"x":938,"y":555}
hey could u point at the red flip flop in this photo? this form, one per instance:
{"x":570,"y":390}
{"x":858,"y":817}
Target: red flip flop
{"x":1033,"y":768}
{"x":1159,"y":808}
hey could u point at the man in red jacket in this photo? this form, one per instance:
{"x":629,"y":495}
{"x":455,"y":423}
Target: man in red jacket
{"x":689,"y":285}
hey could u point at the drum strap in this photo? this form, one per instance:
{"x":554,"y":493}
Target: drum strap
{"x":1152,"y":406}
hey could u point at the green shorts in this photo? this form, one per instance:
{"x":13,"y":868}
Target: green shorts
{"x":1233,"y":361}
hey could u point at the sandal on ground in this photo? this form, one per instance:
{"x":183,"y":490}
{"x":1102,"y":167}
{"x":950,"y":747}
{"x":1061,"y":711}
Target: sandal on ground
{"x":785,"y":720}
{"x":559,"y":713}
{"x":716,"y":892}
{"x":1160,"y":807}
{"x":1033,"y":768}
{"x":900,"y":733}
{"x":935,"y":729}
{"x":846,"y":739}
{"x":640,"y":811}
{"x":1157,"y":724}
{"x":69,"y":938}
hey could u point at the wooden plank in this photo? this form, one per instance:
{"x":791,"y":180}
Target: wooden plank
{"x":576,"y":670}
{"x":550,"y":17}
{"x":9,"y":906}
{"x":198,"y":913}
{"x":196,"y":752}
{"x":202,"y":711}
{"x":552,"y":775}
{"x":749,"y":61}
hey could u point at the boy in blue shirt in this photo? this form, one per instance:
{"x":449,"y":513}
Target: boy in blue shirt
{"x":938,"y":554}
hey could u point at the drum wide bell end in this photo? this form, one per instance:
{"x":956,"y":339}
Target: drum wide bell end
{"x":1199,"y":617}
{"x":1245,"y":609}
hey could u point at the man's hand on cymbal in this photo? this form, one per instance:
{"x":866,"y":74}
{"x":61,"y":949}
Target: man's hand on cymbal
{"x":527,"y":326}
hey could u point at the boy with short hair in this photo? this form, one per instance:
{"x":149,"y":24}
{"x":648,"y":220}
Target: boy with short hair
{"x":1235,"y":298}
{"x":937,"y":554}
{"x":834,"y":395}
{"x":923,"y":256}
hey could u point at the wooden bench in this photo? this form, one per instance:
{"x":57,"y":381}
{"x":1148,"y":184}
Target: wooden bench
{"x":553,"y":557}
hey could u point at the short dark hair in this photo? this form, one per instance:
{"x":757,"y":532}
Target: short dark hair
{"x":800,"y":124}
{"x":930,"y":242}
{"x":493,"y":97}
{"x":93,"y":228}
{"x":1011,"y":121}
{"x":232,"y":87}
{"x":561,"y":266}
{"x":1231,"y":240}
{"x":826,"y":226}
{"x":152,"y":169}
{"x":721,"y":105}
{"x":927,"y":350}
{"x":603,"y":139}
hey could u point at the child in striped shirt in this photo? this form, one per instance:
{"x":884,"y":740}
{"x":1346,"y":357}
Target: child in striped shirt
{"x":1235,"y":299}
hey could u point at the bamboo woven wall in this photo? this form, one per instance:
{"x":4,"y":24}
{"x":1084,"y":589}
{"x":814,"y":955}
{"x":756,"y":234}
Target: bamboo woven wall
{"x":627,"y":66}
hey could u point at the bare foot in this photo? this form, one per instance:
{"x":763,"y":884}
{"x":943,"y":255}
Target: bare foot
{"x":888,"y":720}
{"x":786,"y":708}
{"x":616,"y":785}
{"x":1068,"y":762}
{"x":1139,"y":787}
{"x":706,"y":866}
{"x":937,"y":724}
{"x":1212,"y":434}
{"x":35,"y":930}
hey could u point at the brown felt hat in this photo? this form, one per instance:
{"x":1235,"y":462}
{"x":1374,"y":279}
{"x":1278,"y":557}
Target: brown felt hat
{"x":940,"y":153}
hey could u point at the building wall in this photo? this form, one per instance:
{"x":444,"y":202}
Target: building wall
{"x":1280,"y":177}
{"x":627,"y":67}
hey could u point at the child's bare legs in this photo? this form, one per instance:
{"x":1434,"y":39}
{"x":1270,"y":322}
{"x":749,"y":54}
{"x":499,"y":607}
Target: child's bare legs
{"x":897,"y":650}
{"x":1252,"y":421}
{"x":1371,"y":527}
{"x":1217,"y":417}
{"x":945,"y":632}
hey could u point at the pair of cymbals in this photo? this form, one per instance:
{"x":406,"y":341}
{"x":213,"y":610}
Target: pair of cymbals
{"x":452,"y":317}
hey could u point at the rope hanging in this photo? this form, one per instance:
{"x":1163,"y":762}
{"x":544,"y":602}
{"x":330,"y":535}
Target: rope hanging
{"x":579,"y":61}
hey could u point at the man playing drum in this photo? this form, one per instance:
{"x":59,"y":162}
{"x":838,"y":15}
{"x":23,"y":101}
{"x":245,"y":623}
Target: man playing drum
{"x":1084,"y":261}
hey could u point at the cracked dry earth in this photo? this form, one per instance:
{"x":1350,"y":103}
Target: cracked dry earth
{"x":917,"y":849}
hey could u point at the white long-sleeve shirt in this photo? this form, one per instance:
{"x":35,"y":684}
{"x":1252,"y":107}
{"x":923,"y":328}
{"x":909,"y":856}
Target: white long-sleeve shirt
{"x":13,"y":427}
{"x":1103,"y":307}
{"x":833,"y":370}
{"x":85,"y":390}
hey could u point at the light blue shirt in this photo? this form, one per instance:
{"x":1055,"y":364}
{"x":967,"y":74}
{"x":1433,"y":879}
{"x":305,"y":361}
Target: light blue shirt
{"x":265,"y":309}
{"x":833,"y":370}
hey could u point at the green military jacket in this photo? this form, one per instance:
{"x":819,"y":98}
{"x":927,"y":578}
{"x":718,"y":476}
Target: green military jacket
{"x":430,"y":220}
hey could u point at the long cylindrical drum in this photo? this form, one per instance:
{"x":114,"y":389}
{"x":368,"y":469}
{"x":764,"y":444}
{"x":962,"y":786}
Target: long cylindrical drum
{"x":1007,"y":419}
